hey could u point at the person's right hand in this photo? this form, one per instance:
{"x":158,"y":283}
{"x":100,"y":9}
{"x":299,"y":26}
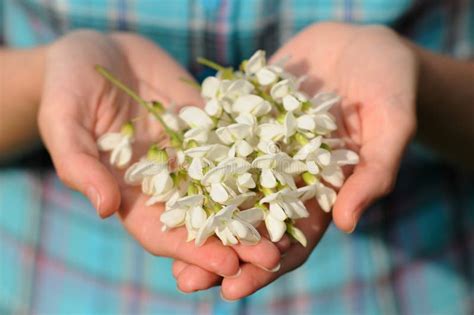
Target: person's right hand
{"x":78,"y":106}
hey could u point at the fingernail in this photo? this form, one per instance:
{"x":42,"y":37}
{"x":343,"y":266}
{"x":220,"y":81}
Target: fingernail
{"x":94,"y":198}
{"x":270,"y":270}
{"x":229,"y":301}
{"x":236,"y":275}
{"x":177,"y":288}
{"x":354,"y":220}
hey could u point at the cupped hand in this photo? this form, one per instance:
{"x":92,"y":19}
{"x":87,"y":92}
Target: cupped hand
{"x":376,"y":74}
{"x":78,"y":106}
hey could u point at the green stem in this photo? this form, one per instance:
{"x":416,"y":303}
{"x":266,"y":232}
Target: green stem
{"x":190,"y":82}
{"x":210,"y":64}
{"x":109,"y":76}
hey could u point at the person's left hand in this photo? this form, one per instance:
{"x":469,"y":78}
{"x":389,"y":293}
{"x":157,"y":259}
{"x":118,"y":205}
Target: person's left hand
{"x":376,"y":74}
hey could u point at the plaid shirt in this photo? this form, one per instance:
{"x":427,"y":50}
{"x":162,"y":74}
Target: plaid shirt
{"x":413,"y":252}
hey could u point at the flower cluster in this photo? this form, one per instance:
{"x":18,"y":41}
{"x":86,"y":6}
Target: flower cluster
{"x":258,"y":149}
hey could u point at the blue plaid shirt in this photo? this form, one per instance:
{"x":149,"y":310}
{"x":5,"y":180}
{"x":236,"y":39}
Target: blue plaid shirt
{"x":413,"y":252}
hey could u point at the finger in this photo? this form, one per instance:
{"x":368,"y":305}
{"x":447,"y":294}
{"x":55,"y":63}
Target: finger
{"x":264,"y":254}
{"x":385,"y":136}
{"x":193,"y":278}
{"x":177,"y":267}
{"x":253,"y":278}
{"x":143,"y":222}
{"x":76,"y":159}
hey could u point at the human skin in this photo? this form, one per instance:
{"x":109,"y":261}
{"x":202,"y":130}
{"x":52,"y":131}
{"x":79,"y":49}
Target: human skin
{"x":384,"y":81}
{"x":78,"y":105}
{"x":381,"y":77}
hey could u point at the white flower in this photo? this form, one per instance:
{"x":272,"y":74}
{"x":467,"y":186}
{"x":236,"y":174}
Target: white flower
{"x":205,"y":156}
{"x":199,"y":122}
{"x":228,"y":177}
{"x":282,"y":205}
{"x":325,"y":196}
{"x":151,"y":172}
{"x":275,"y":131}
{"x":120,"y":143}
{"x":278,"y":167}
{"x":319,"y":119}
{"x":187,"y":210}
{"x":228,"y":227}
{"x":257,"y":65}
{"x":220,"y":94}
{"x":286,"y":93}
{"x":237,"y":135}
{"x":252,"y":104}
{"x":326,"y":163}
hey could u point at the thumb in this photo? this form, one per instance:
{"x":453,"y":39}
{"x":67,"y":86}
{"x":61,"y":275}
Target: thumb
{"x":76,"y":159}
{"x":382,"y":149}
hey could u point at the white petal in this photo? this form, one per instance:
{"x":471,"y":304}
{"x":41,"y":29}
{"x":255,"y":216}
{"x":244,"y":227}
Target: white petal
{"x":173,"y":218}
{"x":198,"y":152}
{"x":239,"y":199}
{"x":172,"y":121}
{"x":255,"y":62}
{"x":324,"y":123}
{"x":262,"y":108}
{"x":240,"y":131}
{"x":323,"y":157}
{"x":210,"y":86}
{"x":238,"y":228}
{"x":205,"y":231}
{"x":324,"y":101}
{"x":244,"y":148}
{"x":276,"y":228}
{"x":189,"y":201}
{"x":162,"y":182}
{"x":196,"y":117}
{"x":312,"y":167}
{"x":200,"y":135}
{"x":292,"y":167}
{"x":333,"y":175}
{"x":325,"y":197}
{"x":225,"y":135}
{"x":344,"y":157}
{"x":291,"y":103}
{"x":289,"y":124}
{"x":134,"y":173}
{"x":264,"y":161}
{"x":277,"y":211}
{"x":267,"y":179}
{"x":253,"y":216}
{"x":280,"y":90}
{"x":218,"y":193}
{"x":297,"y":209}
{"x":147,"y":185}
{"x":246,"y":180}
{"x":306,"y":122}
{"x":265,"y":76}
{"x":160,"y":197}
{"x":213,"y":108}
{"x":238,"y":87}
{"x":247,"y":119}
{"x":217,"y":152}
{"x":195,"y":169}
{"x":109,"y":141}
{"x":198,"y":217}
{"x":226,"y":236}
{"x":121,"y":155}
{"x":270,"y":131}
{"x":299,"y":236}
{"x":307,"y":192}
{"x":251,"y":104}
